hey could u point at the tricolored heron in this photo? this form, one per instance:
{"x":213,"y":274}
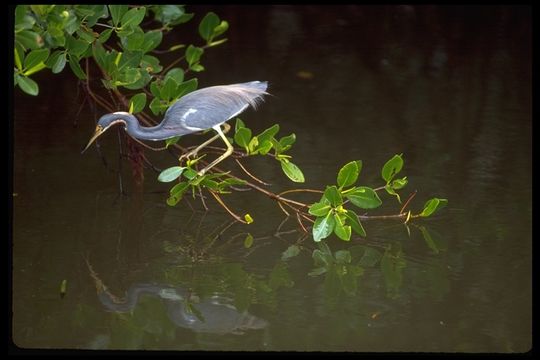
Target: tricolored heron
{"x":199,"y":110}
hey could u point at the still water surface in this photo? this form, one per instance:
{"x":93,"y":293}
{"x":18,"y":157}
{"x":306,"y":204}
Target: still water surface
{"x":450,"y":88}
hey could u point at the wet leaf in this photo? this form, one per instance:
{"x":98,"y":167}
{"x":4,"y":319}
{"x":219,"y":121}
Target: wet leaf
{"x":323,"y":227}
{"x":28,"y":85}
{"x":171,"y":174}
{"x":355,"y":223}
{"x":292,"y":171}
{"x":333,"y":195}
{"x":432,"y":206}
{"x":348,"y":174}
{"x":364,"y":197}
{"x":392,"y":167}
{"x":207,"y":26}
{"x":341,"y":230}
{"x":138,"y":101}
{"x":319,"y":209}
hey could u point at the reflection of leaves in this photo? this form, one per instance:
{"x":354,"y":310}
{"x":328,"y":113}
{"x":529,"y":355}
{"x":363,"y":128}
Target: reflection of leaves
{"x":291,"y":251}
{"x":148,"y":320}
{"x":280,"y":276}
{"x":434,"y":241}
{"x":364,"y":255}
{"x":392,"y":265}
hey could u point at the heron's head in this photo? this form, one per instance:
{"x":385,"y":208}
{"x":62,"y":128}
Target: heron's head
{"x":104,"y":123}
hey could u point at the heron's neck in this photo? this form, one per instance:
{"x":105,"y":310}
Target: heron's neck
{"x":134,"y":129}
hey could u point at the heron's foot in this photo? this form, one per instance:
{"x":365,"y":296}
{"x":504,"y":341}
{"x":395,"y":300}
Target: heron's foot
{"x":187,"y":156}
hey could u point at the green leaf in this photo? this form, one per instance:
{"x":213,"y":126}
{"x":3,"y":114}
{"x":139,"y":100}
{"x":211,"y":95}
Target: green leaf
{"x":291,"y":251}
{"x":29,"y":39}
{"x":248,"y":219}
{"x":348,"y":174}
{"x":399,"y":183}
{"x":35,"y":69}
{"x":156,"y":106}
{"x":432,"y":205}
{"x":267,"y":134}
{"x":355,"y":223}
{"x":207,"y":26}
{"x":168,"y":91}
{"x":242,"y":137}
{"x":392,"y":167}
{"x":20,"y":13}
{"x":319,"y":209}
{"x":186,"y":87}
{"x":138,"y":101}
{"x":105,"y":35}
{"x":197,"y":67}
{"x":171,"y":141}
{"x":253,"y":143}
{"x":392,"y":192}
{"x":364,"y":197}
{"x":264,"y":147}
{"x":76,"y":68}
{"x":28,"y":85}
{"x":152,"y":39}
{"x":142,"y":79}
{"x":179,"y":189}
{"x":239,"y":124}
{"x":220,"y":29}
{"x":133,"y":17}
{"x":193,"y":54}
{"x":292,"y":171}
{"x":35,"y":57}
{"x":117,"y":12}
{"x":333,"y":195}
{"x":151,"y":64}
{"x":76,"y":46}
{"x":171,"y":14}
{"x":18,"y":61}
{"x":86,"y":35}
{"x":341,"y":230}
{"x":323,"y":227}
{"x":216,"y":43}
{"x":171,"y":174}
{"x":287,"y":141}
{"x":175,"y":73}
{"x":57,"y":61}
{"x":133,"y":41}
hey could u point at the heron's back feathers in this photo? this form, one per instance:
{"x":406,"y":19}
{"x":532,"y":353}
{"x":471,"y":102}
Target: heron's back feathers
{"x":211,"y":106}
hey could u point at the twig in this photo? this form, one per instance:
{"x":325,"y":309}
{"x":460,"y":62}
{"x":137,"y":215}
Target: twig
{"x":250,"y":175}
{"x":408,"y":201}
{"x":218,"y":199}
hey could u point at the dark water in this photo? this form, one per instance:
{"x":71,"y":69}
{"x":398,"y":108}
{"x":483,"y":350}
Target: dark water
{"x":449,"y":87}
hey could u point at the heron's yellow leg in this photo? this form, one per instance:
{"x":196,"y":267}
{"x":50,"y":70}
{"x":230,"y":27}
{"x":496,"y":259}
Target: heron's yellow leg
{"x":224,"y":155}
{"x":226,"y":128}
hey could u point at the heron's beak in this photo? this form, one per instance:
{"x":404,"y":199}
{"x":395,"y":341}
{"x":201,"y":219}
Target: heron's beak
{"x":97,"y":133}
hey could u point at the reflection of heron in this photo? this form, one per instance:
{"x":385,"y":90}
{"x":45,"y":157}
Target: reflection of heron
{"x":200,"y":110}
{"x":215,"y":314}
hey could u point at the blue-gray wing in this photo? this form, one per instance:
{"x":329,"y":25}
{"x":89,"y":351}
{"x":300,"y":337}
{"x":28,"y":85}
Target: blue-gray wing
{"x":211,"y":106}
